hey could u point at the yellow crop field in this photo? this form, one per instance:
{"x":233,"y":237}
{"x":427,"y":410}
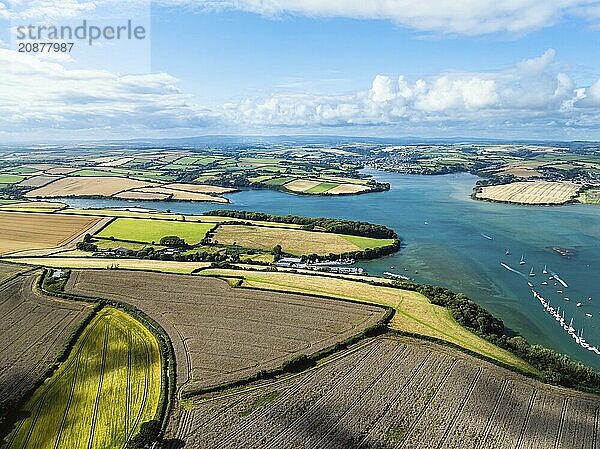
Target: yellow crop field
{"x":293,"y":241}
{"x":98,"y":398}
{"x":21,"y":231}
{"x":414,"y":312}
{"x":87,"y":186}
{"x":537,"y":192}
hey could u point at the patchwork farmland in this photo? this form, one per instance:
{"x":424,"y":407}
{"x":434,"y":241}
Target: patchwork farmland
{"x":537,"y":192}
{"x":221,"y":334}
{"x":97,"y":398}
{"x":394,"y":392}
{"x":34,"y":329}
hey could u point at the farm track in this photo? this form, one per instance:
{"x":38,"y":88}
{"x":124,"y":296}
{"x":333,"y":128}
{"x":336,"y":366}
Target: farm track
{"x":396,"y":392}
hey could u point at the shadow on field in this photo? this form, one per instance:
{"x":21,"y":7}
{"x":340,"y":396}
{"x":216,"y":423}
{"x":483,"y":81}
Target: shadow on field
{"x":173,"y":443}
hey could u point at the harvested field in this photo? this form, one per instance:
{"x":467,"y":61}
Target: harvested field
{"x":86,"y":186}
{"x":182,"y":195}
{"x":38,"y":181}
{"x":344,"y":189}
{"x":414,"y":312}
{"x":301,"y":185}
{"x":537,"y":192}
{"x":60,"y":170}
{"x":199,"y":188}
{"x":35,"y":231}
{"x":165,"y":266}
{"x":148,"y":231}
{"x":293,"y":241}
{"x":34,"y":330}
{"x":98,"y":398}
{"x":220,"y":333}
{"x":394,"y":392}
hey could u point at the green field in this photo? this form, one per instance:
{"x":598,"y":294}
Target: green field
{"x":590,"y":196}
{"x":148,"y":231}
{"x":279,"y":181}
{"x":367,"y":242}
{"x":321,"y":188}
{"x":108,"y":386}
{"x":10,"y":179}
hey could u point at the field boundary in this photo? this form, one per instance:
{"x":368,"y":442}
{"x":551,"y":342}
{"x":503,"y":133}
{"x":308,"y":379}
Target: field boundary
{"x":168,"y":361}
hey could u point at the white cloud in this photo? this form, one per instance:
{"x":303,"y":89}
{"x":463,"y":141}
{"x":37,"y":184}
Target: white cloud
{"x":533,"y":94}
{"x":532,"y":99}
{"x":40,"y":94}
{"x":467,"y":17}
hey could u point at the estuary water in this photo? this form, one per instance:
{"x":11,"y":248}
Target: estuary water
{"x":451,"y":240}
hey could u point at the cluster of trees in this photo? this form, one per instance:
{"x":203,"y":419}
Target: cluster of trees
{"x":350,"y":227}
{"x":149,"y":434}
{"x":556,"y":368}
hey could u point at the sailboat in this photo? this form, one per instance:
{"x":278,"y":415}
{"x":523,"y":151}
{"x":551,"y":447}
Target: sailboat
{"x":531,"y":273}
{"x":545,"y":270}
{"x":522,"y":262}
{"x":507,"y":252}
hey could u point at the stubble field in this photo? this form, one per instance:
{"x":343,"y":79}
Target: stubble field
{"x":87,"y":186}
{"x":294,"y":241}
{"x":394,"y":393}
{"x":537,"y":192}
{"x":220,"y":333}
{"x":33,"y":231}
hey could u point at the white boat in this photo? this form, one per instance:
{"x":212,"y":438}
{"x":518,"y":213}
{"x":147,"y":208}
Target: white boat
{"x":522,"y":262}
{"x":486,"y":236}
{"x":531,"y":272}
{"x":559,"y":291}
{"x":507,"y":252}
{"x":566,"y":299}
{"x":578,"y":304}
{"x":544,"y":283}
{"x":530,"y":284}
{"x":545,"y":270}
{"x":589,"y":315}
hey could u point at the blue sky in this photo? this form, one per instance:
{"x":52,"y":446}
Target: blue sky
{"x":527,"y":69}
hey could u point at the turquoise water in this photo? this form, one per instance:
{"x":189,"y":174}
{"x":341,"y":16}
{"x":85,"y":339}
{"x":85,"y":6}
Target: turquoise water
{"x":441,"y":229}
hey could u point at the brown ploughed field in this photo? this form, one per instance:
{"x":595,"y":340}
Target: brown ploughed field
{"x":222,"y":334}
{"x":34,"y":329}
{"x":394,"y":392}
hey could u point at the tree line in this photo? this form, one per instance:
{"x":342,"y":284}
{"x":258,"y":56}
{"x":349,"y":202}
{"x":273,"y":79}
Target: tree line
{"x":334,"y":225}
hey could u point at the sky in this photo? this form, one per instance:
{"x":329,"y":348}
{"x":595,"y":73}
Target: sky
{"x":523,"y":69}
